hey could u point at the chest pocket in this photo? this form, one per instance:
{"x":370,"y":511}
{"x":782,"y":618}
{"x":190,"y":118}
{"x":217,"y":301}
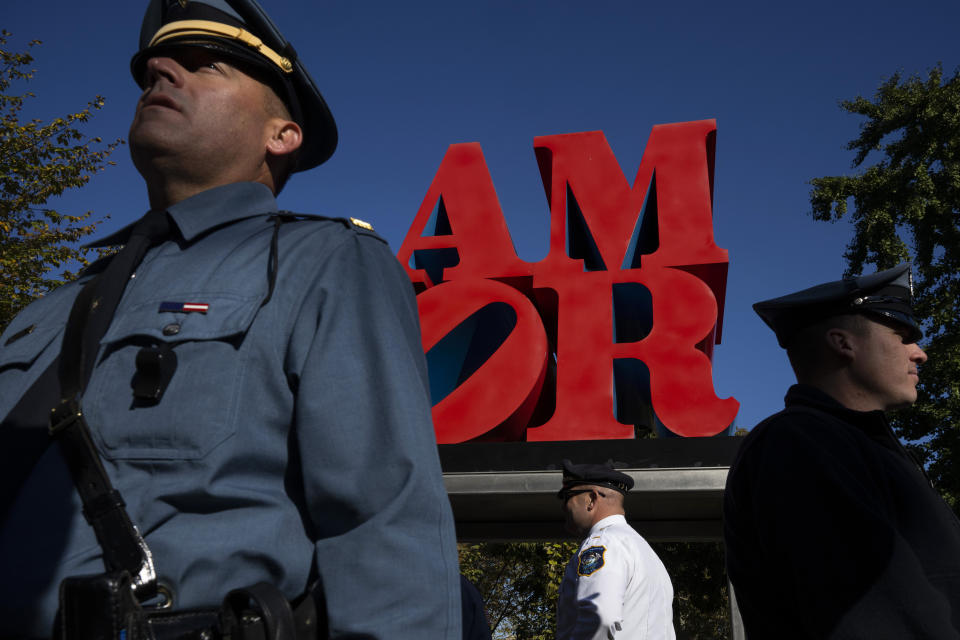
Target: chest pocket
{"x":31,"y":343}
{"x":21,"y":345}
{"x":199,"y":407}
{"x":23,"y":360}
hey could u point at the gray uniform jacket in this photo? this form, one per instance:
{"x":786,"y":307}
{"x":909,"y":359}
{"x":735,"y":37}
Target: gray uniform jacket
{"x":294,"y":441}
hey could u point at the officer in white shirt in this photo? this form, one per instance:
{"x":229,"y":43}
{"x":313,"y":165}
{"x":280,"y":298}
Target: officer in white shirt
{"x":615,"y":586}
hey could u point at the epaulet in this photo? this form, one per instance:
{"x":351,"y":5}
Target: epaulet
{"x":363,"y":224}
{"x":360,"y":226}
{"x":364,"y":228}
{"x":290,"y":216}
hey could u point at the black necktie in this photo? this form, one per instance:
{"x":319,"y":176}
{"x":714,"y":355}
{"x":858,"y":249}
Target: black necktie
{"x":123,"y":546}
{"x":89,"y":320}
{"x":94,"y":307}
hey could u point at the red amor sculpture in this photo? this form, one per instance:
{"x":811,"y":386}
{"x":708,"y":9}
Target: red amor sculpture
{"x":621,"y":315}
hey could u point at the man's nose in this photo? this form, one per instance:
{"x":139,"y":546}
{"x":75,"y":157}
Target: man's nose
{"x":919,"y":355}
{"x":162,"y":67}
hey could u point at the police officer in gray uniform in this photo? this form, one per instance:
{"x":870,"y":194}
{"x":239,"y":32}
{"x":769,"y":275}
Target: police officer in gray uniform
{"x":831,"y":529}
{"x":259,"y":398}
{"x":614,"y":586}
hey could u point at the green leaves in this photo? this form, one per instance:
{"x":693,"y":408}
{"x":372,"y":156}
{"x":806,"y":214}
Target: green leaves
{"x":700,"y":604}
{"x":39,"y":161}
{"x":519,"y":583}
{"x":905,"y":205}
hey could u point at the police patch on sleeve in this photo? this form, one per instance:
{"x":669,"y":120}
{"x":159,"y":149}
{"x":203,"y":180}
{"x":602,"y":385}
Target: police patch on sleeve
{"x":591,"y":561}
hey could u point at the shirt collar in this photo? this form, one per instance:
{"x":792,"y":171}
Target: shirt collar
{"x":606,"y":522}
{"x":209,"y":209}
{"x":872,"y":422}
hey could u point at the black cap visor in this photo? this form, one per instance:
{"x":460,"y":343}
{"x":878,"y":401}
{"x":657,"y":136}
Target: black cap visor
{"x":898,"y":319}
{"x":237,"y":52}
{"x":249,"y":37}
{"x":247,"y":60}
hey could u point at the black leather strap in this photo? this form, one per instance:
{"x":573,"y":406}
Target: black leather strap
{"x":259,"y":612}
{"x":266,"y":602}
{"x":123,"y":547}
{"x":101,"y":606}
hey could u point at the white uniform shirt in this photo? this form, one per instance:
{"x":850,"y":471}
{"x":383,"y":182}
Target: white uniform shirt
{"x":615,"y":587}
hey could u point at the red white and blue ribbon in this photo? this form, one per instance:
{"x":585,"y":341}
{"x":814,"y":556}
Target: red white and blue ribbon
{"x":184,"y":307}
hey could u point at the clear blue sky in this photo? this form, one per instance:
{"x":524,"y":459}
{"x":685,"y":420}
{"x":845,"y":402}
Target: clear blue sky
{"x":406,"y":79}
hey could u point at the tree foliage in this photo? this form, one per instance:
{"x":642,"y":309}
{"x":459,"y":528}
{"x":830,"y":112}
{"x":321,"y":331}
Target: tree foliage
{"x":38,"y":161}
{"x":520,"y":582}
{"x":906,"y":206}
{"x":701,"y":610}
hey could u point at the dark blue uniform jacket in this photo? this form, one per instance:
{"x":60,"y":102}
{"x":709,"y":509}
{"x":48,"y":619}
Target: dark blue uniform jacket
{"x":832,"y":530}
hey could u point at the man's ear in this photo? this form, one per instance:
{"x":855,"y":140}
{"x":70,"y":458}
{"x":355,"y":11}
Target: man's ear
{"x":594,"y":499}
{"x":285,"y":137}
{"x":841,"y":343}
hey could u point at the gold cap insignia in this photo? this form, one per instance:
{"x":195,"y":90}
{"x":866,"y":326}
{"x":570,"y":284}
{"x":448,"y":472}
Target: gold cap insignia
{"x":362,"y":224}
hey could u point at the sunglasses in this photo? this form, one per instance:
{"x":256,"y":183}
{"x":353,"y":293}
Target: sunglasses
{"x":565,"y":494}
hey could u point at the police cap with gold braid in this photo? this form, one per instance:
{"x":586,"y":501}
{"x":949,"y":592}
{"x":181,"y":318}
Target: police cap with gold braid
{"x":603,"y":475}
{"x":241,"y":30}
{"x":885,"y":295}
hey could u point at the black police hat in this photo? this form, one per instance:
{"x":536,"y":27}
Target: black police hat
{"x":240,"y":29}
{"x":887,"y":294}
{"x":603,"y":475}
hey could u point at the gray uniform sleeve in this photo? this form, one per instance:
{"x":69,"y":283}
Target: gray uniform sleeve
{"x":375,"y":502}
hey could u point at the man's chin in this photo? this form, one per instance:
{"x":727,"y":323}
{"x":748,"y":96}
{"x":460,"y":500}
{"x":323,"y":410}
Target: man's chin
{"x":156,"y":129}
{"x":902,"y":403}
{"x":149,"y":147}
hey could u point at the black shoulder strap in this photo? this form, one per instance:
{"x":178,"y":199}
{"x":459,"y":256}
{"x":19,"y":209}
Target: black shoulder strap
{"x":103,"y":507}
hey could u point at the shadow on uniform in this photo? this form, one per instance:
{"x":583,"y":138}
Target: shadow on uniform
{"x":39,"y":514}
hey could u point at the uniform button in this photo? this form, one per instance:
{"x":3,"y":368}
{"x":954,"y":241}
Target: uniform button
{"x":171,"y":329}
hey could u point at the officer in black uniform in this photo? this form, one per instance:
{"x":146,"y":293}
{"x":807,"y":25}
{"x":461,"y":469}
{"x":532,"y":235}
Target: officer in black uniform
{"x":831,"y":529}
